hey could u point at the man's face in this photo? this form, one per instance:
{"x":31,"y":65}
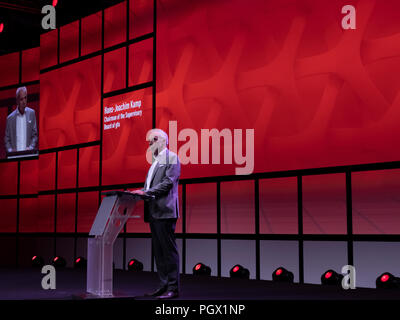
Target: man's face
{"x":155,"y":143}
{"x":21,"y":101}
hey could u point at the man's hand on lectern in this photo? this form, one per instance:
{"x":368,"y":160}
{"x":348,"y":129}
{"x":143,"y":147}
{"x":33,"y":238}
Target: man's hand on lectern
{"x":138,"y":191}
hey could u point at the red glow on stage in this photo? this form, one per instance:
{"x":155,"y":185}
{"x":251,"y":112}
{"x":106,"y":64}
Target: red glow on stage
{"x":1,"y":27}
{"x":132,"y":262}
{"x":384,"y":278}
{"x":34,"y":257}
{"x":278,"y":272}
{"x":328,"y":275}
{"x":77,"y":260}
{"x":55,"y":259}
{"x":235,"y":269}
{"x":198,"y":266}
{"x":55,"y":2}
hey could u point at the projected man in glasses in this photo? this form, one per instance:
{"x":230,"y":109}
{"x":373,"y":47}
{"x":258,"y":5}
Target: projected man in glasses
{"x":162,"y":212}
{"x":21,"y":131}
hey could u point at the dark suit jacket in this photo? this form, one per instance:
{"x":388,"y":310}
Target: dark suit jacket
{"x":164,"y":187}
{"x":10,"y":138}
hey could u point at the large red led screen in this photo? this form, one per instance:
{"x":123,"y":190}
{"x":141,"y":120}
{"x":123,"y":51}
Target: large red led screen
{"x":315,"y":94}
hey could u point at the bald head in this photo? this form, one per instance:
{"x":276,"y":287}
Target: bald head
{"x":158,"y":140}
{"x":159,"y":133}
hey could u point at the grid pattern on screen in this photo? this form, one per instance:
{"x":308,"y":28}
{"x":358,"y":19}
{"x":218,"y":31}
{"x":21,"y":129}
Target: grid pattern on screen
{"x":278,"y":206}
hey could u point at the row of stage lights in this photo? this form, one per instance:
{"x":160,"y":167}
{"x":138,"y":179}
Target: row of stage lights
{"x":58,"y":261}
{"x":330,"y":277}
{"x":385,"y":281}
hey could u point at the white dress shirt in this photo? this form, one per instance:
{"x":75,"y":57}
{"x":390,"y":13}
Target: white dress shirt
{"x":151,"y":170}
{"x":21,"y":131}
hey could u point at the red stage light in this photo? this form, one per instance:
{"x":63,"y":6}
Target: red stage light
{"x":200,"y":269}
{"x":1,"y":27}
{"x":384,"y":278}
{"x":331,"y":277}
{"x":37,"y":261}
{"x":282,"y":275}
{"x":387,"y":281}
{"x":59,"y":262}
{"x":80,"y":262}
{"x":135,"y":265}
{"x":55,"y":2}
{"x":239,"y":271}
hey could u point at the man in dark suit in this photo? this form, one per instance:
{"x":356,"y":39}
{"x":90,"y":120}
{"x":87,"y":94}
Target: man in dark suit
{"x":21,"y":130}
{"x":162,"y":212}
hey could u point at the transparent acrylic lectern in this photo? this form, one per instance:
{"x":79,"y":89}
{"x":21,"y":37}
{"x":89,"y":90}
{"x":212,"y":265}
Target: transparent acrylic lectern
{"x":115,"y":209}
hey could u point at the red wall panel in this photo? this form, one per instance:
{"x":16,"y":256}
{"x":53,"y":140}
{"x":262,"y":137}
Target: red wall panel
{"x":91,"y":33}
{"x":89,"y":159}
{"x":45,"y":216}
{"x":47,"y":171}
{"x":278,"y":206}
{"x":70,"y":109}
{"x":9,"y":69}
{"x":88,"y":204}
{"x":66,"y":212}
{"x":115,"y":25}
{"x":324,"y":204}
{"x":376,"y":202}
{"x":115,"y":70}
{"x":37,"y":214}
{"x":69,"y":41}
{"x":237,"y":207}
{"x":201,"y":208}
{"x":67,"y":169}
{"x":8,"y":178}
{"x":141,"y":17}
{"x":8,"y":215}
{"x":28,"y":214}
{"x":141,"y":62}
{"x":30,"y":64}
{"x":29,"y":183}
{"x":48,"y":49}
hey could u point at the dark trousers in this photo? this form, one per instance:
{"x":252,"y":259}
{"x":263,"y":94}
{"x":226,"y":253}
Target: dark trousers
{"x":165,"y":252}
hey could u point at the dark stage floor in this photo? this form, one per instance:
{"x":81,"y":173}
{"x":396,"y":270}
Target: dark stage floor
{"x":25,"y":284}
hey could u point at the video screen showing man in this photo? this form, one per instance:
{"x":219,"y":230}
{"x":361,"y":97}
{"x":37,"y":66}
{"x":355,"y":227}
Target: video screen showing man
{"x":21,"y":130}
